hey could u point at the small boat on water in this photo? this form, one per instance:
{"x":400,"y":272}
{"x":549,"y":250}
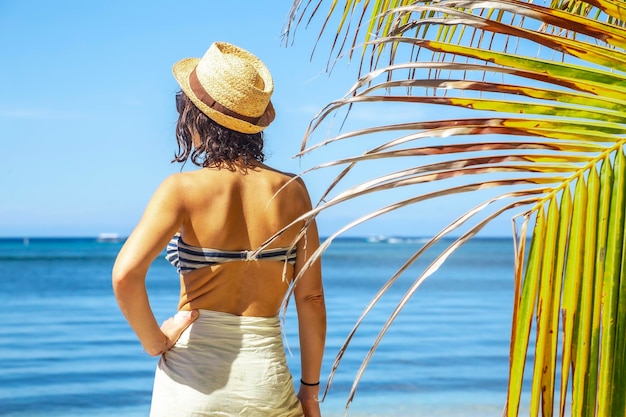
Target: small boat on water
{"x":385,"y":239}
{"x":394,"y":239}
{"x":109,"y":238}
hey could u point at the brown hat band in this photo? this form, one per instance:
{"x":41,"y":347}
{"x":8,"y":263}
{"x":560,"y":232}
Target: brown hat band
{"x":206,"y":98}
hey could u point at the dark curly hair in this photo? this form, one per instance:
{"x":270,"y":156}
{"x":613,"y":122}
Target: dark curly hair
{"x":220,"y":147}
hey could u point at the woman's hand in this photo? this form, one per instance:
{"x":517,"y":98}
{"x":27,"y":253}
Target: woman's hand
{"x":173,"y":327}
{"x":308,"y":398}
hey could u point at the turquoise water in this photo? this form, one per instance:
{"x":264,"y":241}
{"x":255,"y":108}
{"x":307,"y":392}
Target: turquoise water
{"x":67,"y":351}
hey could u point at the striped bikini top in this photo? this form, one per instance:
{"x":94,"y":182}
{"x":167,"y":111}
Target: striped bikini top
{"x":186,"y":258}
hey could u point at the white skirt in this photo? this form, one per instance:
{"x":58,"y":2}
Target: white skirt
{"x":226,"y":365}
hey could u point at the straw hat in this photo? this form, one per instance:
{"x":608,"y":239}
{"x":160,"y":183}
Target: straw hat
{"x":230,"y":85}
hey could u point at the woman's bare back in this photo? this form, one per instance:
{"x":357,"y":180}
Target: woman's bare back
{"x":239,"y":210}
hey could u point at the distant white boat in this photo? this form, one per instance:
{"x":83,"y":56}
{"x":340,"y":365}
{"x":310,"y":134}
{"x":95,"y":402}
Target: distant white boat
{"x":377,"y":239}
{"x":109,"y":237}
{"x":384,"y":239}
{"x":394,"y":239}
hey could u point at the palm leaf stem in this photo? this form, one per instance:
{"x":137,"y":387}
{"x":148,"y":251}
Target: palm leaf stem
{"x":586,"y":168}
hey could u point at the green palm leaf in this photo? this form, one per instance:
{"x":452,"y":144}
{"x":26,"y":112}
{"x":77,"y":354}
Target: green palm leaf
{"x":609,"y":291}
{"x":553,"y":77}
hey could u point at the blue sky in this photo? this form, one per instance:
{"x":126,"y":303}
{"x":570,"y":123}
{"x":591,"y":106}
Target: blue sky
{"x":87,"y":109}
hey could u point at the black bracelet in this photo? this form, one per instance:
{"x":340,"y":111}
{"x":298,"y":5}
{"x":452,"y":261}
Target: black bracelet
{"x":309,"y":385}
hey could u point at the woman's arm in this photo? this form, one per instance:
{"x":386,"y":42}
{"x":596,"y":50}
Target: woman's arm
{"x":160,"y":221}
{"x":311,"y":309}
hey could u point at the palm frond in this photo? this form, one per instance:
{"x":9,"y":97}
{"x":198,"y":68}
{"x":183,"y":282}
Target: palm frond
{"x":554,"y":79}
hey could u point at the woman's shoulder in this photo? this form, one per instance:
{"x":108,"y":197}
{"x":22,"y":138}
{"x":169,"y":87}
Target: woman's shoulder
{"x":286,"y":176}
{"x":177,"y":180}
{"x":177,"y":184}
{"x":189,"y":178}
{"x":290,"y":181}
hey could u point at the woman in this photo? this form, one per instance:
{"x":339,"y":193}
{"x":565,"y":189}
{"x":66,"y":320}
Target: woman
{"x":222,"y":354}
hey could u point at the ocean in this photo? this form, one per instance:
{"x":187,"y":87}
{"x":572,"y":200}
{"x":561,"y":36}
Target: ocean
{"x":66,"y":350}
